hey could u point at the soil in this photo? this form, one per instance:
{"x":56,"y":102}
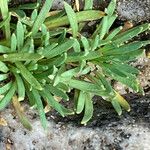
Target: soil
{"x":106,"y":130}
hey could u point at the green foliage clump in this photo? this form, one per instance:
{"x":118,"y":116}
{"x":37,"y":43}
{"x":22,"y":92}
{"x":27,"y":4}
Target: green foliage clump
{"x":42,"y":60}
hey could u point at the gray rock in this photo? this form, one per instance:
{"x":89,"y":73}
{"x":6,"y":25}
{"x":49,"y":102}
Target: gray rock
{"x":106,"y":131}
{"x":58,"y":4}
{"x":135,"y":10}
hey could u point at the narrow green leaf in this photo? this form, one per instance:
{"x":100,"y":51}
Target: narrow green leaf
{"x":41,"y":17}
{"x":62,"y":36}
{"x":20,"y":14}
{"x":75,"y":57}
{"x":29,"y":6}
{"x":127,"y":68}
{"x":2,"y":23}
{"x":85,"y":86}
{"x":95,"y":42}
{"x":96,"y":81}
{"x":34,"y":15}
{"x":20,"y":57}
{"x":105,"y":83}
{"x":63,"y":87}
{"x":44,"y":74}
{"x":47,"y":49}
{"x":109,"y":46}
{"x":32,"y":66}
{"x":114,"y":33}
{"x":26,"y":45}
{"x":115,"y":70}
{"x":111,"y":20}
{"x":43,"y":29}
{"x":111,"y":8}
{"x":104,"y":27}
{"x":128,"y":56}
{"x":6,"y":16}
{"x":28,"y":76}
{"x":56,"y":32}
{"x":20,"y":87}
{"x":4,"y":49}
{"x":70,"y":73}
{"x":98,"y":30}
{"x":40,"y":108}
{"x":3,"y":67}
{"x":46,"y":39}
{"x":122,"y":101}
{"x":29,"y":94}
{"x":42,"y":68}
{"x":81,"y":102}
{"x":88,"y":109}
{"x":14,"y":69}
{"x":57,"y":61}
{"x":57,"y":92}
{"x":5,"y":87}
{"x":20,"y":35}
{"x":3,"y":76}
{"x":126,"y":48}
{"x":72,"y":19}
{"x":67,"y":111}
{"x":103,"y":43}
{"x":7,"y":98}
{"x":58,"y":14}
{"x":85,"y":71}
{"x":60,"y":48}
{"x":81,"y":16}
{"x":130,"y":80}
{"x":75,"y":98}
{"x":51,"y":101}
{"x":13,"y":42}
{"x":76,"y":46}
{"x":88,"y":5}
{"x":125,"y":36}
{"x":31,"y":47}
{"x":116,"y":106}
{"x":85,"y":44}
{"x":21,"y":114}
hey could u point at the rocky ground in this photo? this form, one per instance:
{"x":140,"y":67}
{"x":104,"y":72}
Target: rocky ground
{"x":106,"y":131}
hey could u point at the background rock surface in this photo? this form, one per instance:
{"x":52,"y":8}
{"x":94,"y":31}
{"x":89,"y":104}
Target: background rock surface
{"x":106,"y":131}
{"x":135,"y":10}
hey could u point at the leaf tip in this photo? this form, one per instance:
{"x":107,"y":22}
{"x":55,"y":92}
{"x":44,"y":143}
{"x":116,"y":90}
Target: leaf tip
{"x":20,"y":98}
{"x":120,"y":113}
